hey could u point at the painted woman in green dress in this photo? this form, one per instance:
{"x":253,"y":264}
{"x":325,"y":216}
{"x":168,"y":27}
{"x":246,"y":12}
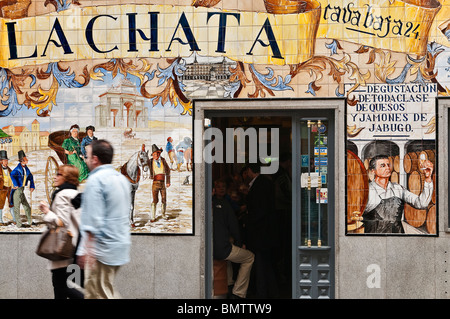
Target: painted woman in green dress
{"x":72,"y":148}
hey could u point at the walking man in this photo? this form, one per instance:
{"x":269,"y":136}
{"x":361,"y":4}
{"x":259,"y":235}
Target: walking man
{"x":21,"y":177}
{"x":105,"y":228}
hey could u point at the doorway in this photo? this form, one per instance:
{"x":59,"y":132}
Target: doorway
{"x":306,"y":128}
{"x":278,"y":266}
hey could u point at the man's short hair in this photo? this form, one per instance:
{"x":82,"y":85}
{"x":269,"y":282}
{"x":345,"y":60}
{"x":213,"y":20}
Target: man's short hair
{"x":373,"y":161}
{"x":103,"y":150}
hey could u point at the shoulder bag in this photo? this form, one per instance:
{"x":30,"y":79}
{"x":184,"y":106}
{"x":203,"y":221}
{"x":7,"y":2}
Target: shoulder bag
{"x":56,"y":244}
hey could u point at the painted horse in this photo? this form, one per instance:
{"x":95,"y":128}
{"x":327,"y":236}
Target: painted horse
{"x":132,"y":170}
{"x":188,"y":156}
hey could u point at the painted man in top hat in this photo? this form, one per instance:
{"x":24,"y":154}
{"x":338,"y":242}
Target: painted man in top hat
{"x":5,"y":183}
{"x":21,"y":177}
{"x":160,"y":173}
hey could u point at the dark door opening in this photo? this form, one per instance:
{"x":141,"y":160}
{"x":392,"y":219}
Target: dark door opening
{"x":279,"y":230}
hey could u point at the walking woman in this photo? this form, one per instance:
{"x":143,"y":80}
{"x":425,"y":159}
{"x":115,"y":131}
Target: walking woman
{"x":64,"y":210}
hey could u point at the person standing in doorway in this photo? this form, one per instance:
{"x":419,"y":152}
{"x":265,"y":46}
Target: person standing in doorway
{"x":105,"y":229}
{"x":160,"y":173}
{"x":227,"y":241}
{"x":5,"y":185}
{"x":21,"y":177}
{"x":260,"y":229}
{"x":283,"y":209}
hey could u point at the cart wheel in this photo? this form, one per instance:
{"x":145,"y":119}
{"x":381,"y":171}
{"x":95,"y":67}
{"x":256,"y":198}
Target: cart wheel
{"x":50,"y":169}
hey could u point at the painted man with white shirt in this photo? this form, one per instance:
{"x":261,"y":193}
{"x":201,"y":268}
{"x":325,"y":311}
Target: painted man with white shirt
{"x":385,"y":206}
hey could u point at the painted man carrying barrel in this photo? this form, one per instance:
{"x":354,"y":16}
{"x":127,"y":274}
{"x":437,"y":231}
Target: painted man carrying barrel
{"x":385,"y":206}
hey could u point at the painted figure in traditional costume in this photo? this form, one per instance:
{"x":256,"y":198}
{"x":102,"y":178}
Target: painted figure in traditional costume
{"x":385,"y":206}
{"x":72,"y":148}
{"x":21,"y":177}
{"x":87,"y":139}
{"x":160,"y":173}
{"x":5,"y":184}
{"x":171,"y":152}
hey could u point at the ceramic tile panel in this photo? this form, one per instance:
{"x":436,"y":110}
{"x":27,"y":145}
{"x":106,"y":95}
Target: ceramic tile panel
{"x":133,"y":76}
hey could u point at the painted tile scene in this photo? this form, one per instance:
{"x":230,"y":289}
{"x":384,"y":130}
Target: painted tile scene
{"x":129,"y":71}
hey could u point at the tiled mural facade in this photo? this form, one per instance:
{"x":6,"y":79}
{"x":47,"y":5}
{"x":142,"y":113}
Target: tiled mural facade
{"x":132,"y":69}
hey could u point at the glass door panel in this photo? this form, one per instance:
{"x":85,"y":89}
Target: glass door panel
{"x":314,"y":181}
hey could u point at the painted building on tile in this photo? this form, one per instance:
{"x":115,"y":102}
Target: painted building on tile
{"x":345,"y":102}
{"x":121,"y":106}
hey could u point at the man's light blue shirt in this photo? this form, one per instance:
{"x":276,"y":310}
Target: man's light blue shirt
{"x":105,"y":208}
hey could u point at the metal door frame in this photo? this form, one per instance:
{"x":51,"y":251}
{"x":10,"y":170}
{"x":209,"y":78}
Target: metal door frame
{"x":313,"y":266}
{"x":296,"y":108}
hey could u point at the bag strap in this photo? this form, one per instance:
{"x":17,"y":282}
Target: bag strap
{"x":76,"y":201}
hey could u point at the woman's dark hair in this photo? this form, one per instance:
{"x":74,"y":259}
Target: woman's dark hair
{"x":69,"y":173}
{"x":103,"y":150}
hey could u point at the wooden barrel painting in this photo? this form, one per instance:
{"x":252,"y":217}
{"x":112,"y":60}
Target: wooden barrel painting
{"x":357,"y":190}
{"x":431,"y":220}
{"x":397,"y":163}
{"x":366,"y":166}
{"x":415,"y":217}
{"x":433,"y":196}
{"x":395,"y":177}
{"x":411,"y":162}
{"x":391,"y":162}
{"x":366,"y":163}
{"x":415,"y":182}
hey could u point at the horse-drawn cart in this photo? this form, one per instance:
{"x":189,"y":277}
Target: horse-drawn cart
{"x":55,"y":141}
{"x":137,"y":163}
